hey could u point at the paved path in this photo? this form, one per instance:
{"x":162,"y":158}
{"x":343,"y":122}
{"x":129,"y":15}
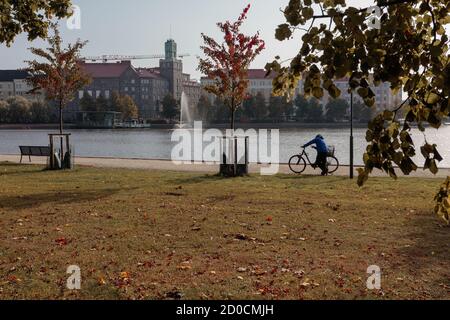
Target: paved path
{"x":166,"y":165}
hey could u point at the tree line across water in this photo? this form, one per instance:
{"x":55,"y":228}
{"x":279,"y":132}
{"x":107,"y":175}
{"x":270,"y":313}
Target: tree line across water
{"x":21,"y":110}
{"x":18,"y":109}
{"x":117,"y":103}
{"x":255,"y":109}
{"x":280,"y":109}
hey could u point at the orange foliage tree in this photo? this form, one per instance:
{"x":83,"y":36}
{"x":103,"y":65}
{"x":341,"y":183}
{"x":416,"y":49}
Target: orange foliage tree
{"x":60,"y":76}
{"x":227,"y":63}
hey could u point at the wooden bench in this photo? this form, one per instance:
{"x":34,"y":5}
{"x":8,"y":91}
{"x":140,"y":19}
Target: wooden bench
{"x":35,"y":151}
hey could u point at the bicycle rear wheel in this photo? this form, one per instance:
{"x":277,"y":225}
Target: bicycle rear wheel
{"x":333,"y":164}
{"x":297,"y":164}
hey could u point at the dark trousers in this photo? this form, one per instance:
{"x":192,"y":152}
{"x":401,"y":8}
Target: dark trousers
{"x":321,"y":162}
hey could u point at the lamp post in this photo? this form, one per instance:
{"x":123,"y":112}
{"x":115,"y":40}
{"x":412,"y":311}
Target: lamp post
{"x":351,"y":137}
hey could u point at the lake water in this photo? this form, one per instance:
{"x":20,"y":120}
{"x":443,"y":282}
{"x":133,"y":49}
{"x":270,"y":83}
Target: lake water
{"x":157,"y":144}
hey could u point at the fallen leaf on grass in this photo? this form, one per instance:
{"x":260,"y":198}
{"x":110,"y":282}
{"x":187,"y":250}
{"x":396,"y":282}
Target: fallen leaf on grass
{"x":61,"y":241}
{"x":337,"y":243}
{"x":20,"y":238}
{"x":13,"y":279}
{"x":185,"y":266}
{"x":147,"y":264}
{"x":101,"y":281}
{"x":299,"y":273}
{"x":257,"y":271}
{"x":305,"y":285}
{"x":124,"y":276}
{"x":124,"y":279}
{"x":242,"y":237}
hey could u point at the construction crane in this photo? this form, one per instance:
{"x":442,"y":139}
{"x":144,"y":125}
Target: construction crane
{"x":106,"y":58}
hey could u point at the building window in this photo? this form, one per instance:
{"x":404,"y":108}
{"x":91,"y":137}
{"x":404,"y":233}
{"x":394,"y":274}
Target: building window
{"x":80,"y":94}
{"x":107,"y":94}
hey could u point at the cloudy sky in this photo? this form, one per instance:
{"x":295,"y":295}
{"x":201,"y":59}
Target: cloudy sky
{"x":136,"y":27}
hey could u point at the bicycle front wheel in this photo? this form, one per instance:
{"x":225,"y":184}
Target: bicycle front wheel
{"x":297,"y":164}
{"x":333,"y":164}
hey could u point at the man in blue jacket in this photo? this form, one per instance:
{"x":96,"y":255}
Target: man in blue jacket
{"x":322,"y":153}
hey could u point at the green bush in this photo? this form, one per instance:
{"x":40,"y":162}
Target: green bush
{"x":20,"y":110}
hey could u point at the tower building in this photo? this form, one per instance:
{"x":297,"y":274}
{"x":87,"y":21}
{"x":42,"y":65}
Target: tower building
{"x":146,"y":86}
{"x":171,"y":69}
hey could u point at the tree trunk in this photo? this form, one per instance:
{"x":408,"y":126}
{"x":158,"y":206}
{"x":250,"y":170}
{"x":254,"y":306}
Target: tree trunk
{"x":232,"y":120}
{"x":233,"y":110}
{"x":61,"y":122}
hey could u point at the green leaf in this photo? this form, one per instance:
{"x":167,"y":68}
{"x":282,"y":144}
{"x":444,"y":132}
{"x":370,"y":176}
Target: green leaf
{"x":432,"y":98}
{"x":334,"y":92}
{"x":433,"y":167}
{"x":318,"y":93}
{"x":283,"y":32}
{"x":308,"y":13}
{"x":363,"y":176}
{"x":363,"y":92}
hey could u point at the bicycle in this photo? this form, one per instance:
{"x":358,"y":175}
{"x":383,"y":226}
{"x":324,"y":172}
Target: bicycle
{"x":298,"y":164}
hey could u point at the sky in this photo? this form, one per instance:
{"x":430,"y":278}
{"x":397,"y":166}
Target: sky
{"x":140,"y":27}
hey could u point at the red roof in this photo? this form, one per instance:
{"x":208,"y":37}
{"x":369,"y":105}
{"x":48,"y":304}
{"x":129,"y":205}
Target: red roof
{"x":259,"y":74}
{"x":106,"y":70}
{"x":256,"y":74}
{"x":155,"y":69}
{"x":149,"y":73}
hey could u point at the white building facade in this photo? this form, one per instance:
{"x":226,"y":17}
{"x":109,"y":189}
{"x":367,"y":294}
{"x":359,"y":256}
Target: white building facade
{"x":14,"y":83}
{"x":259,"y":83}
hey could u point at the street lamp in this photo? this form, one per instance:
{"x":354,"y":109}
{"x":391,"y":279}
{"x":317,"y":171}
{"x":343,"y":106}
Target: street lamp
{"x":351,"y":137}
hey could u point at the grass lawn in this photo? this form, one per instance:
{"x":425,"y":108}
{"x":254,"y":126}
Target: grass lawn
{"x":163,"y":235}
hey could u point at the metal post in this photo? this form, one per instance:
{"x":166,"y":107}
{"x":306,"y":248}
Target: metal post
{"x":52,"y":152}
{"x":246,"y":155}
{"x":351,"y":137}
{"x":235,"y":156}
{"x":223,"y":150}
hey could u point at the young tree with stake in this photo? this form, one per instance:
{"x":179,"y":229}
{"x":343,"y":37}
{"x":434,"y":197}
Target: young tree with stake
{"x":60,"y":75}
